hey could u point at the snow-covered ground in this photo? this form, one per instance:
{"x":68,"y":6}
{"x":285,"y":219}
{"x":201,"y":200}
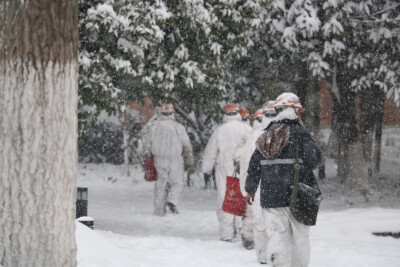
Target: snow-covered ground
{"x":128,"y":234}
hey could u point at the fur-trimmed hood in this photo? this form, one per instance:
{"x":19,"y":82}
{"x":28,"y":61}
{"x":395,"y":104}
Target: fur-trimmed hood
{"x":274,"y":139}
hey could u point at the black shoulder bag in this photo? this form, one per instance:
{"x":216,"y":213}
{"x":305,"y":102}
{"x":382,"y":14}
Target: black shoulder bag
{"x":304,"y":200}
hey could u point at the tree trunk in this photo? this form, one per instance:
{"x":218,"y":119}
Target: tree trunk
{"x":371,"y":107}
{"x":316,"y":122}
{"x":301,"y":87}
{"x":126,"y":137}
{"x":378,"y":131}
{"x":367,"y":122}
{"x":349,"y":166}
{"x":342,"y":163}
{"x":316,"y":110}
{"x":38,"y":132}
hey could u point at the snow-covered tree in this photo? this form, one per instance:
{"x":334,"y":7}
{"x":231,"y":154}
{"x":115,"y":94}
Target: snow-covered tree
{"x":351,"y":44}
{"x":118,"y":40}
{"x":375,"y":61}
{"x":288,"y":34}
{"x":38,"y":132}
{"x":265,"y":71}
{"x":176,"y":51}
{"x":360,"y":46}
{"x":199,"y":54}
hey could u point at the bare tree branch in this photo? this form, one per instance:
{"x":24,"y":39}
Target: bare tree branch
{"x":378,"y":12}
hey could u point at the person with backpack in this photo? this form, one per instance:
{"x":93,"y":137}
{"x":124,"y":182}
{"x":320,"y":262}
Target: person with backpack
{"x":283,"y":147}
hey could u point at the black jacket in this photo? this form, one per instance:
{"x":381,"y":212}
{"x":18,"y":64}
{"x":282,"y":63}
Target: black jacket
{"x":276,"y":172}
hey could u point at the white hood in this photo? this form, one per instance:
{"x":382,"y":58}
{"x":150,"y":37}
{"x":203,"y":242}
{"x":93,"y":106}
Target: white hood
{"x":266,"y":121}
{"x":287,"y":113}
{"x":258,"y":125}
{"x":167,"y":117}
{"x":227,"y":118}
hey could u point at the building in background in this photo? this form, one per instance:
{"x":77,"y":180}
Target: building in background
{"x":391,"y":115}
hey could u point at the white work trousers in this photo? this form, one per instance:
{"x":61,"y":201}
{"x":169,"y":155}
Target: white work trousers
{"x":259,"y":229}
{"x":247,"y":224}
{"x":288,"y":240}
{"x":169,"y":184}
{"x":229,"y":224}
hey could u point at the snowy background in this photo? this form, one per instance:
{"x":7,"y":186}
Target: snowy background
{"x":128,"y":234}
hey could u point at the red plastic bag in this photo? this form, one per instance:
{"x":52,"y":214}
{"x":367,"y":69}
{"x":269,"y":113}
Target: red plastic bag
{"x":234,"y":201}
{"x":150,"y":172}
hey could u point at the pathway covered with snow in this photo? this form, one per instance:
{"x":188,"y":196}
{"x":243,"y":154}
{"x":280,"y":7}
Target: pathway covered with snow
{"x":128,"y":234}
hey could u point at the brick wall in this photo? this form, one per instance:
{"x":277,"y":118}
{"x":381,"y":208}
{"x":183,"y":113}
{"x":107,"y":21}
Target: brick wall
{"x":326,"y":104}
{"x":391,"y":115}
{"x":146,"y":110}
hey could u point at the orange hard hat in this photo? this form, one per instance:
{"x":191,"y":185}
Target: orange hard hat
{"x":288,"y":100}
{"x":268,"y":107}
{"x":230,"y":107}
{"x":244,"y":113}
{"x":259,"y":113}
{"x":167,"y":108}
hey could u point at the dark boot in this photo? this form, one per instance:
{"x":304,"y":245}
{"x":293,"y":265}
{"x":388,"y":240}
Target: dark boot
{"x":206,"y":180}
{"x":248,"y":244}
{"x":215,"y":183}
{"x":173,"y":208}
{"x":206,"y":184}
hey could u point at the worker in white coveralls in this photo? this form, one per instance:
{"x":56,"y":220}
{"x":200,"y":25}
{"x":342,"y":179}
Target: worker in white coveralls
{"x":169,"y":144}
{"x":271,"y":168}
{"x":253,"y":226}
{"x":247,"y":218}
{"x":219,"y":151}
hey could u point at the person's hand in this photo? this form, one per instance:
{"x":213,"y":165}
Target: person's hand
{"x":190,"y":170}
{"x":237,"y":167}
{"x":250,"y":198}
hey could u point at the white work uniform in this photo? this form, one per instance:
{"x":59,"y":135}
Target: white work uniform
{"x":254,"y":227}
{"x":168,"y":142}
{"x":219,"y":151}
{"x":240,"y":151}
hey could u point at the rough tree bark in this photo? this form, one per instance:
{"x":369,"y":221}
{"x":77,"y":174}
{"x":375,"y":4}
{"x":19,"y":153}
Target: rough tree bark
{"x":38,"y":132}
